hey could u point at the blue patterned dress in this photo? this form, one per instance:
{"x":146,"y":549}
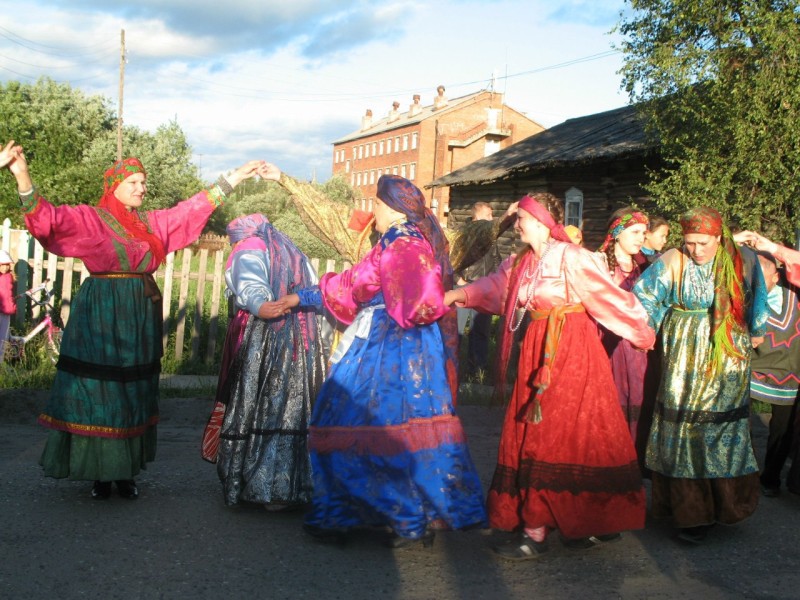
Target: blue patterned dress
{"x":386,"y":446}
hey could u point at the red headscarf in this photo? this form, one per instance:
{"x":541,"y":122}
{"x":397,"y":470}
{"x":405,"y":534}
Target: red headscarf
{"x":535,"y":208}
{"x":729,"y":302}
{"x":129,"y":219}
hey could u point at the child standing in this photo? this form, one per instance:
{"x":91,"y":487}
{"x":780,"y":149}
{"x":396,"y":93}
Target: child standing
{"x":7,"y":305}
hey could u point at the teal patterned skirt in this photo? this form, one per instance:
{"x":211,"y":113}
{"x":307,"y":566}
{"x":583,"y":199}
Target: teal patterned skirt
{"x":103,"y":407}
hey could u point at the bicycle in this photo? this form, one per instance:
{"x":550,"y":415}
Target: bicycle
{"x":15,"y":344}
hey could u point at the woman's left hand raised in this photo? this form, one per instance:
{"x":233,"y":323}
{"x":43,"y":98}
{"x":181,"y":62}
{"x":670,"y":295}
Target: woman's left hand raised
{"x":246,"y":171}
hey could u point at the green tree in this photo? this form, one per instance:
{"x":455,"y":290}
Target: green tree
{"x":70,"y":139}
{"x":719,"y":85}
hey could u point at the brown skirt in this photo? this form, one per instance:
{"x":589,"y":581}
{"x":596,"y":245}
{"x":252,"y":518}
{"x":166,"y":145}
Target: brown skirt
{"x":694,"y":502}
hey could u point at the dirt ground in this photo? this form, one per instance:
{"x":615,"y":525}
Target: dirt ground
{"x":179,"y":539}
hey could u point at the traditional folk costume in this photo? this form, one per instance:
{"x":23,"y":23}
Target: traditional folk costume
{"x":386,"y":445}
{"x":260,"y":421}
{"x":565,"y":460}
{"x":776,"y":375}
{"x":628,"y":365}
{"x":700,"y":452}
{"x":775,"y":379}
{"x":103,"y":407}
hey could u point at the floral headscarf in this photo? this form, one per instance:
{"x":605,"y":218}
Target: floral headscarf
{"x":129,"y":219}
{"x":729,"y":305}
{"x":620,"y":224}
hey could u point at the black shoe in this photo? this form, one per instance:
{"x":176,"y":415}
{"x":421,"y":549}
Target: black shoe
{"x":398,"y":542}
{"x":523,"y":548}
{"x":326,"y":536}
{"x":591,"y":541}
{"x":770,"y":491}
{"x":694,"y":535}
{"x":101,"y":490}
{"x":126,"y":488}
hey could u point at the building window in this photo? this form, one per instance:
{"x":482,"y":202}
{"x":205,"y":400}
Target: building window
{"x":361,"y":152}
{"x":380,"y":172}
{"x":405,"y":143}
{"x":366,"y":151}
{"x":352,"y":179}
{"x":414,"y":139}
{"x":491,"y":147}
{"x":347,"y":167}
{"x":573,"y":207}
{"x":394,"y":170}
{"x":374,"y":148}
{"x":402,"y":170}
{"x":355,"y":153}
{"x":371,"y":204}
{"x":412,"y":171}
{"x":397,"y":144}
{"x":358,"y":179}
{"x":372,"y":176}
{"x":380,"y":148}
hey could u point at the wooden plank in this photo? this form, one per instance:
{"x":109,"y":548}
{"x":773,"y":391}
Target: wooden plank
{"x":183,"y":293}
{"x":330,"y":265}
{"x":66,"y":289}
{"x":23,"y":273}
{"x":199,"y":301}
{"x":216,"y":294}
{"x":166,"y":295}
{"x":38,"y":265}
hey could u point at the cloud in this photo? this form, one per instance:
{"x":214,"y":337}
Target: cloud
{"x":319,"y":26}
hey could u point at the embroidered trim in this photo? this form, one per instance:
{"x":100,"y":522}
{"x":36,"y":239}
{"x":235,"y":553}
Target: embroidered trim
{"x":561,"y":477}
{"x":216,"y":196}
{"x":103,"y":431}
{"x":413,"y":436}
{"x":30,"y":201}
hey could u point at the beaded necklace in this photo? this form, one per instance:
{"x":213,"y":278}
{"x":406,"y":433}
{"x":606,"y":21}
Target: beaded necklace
{"x":533,"y":280}
{"x":699,"y":282}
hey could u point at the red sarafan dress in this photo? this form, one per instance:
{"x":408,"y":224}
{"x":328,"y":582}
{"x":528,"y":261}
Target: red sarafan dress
{"x":566,"y":459}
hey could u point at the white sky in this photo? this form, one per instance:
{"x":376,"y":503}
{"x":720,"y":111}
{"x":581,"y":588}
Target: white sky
{"x":282,"y":79}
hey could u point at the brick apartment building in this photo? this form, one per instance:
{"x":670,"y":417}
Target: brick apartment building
{"x":427,"y":142}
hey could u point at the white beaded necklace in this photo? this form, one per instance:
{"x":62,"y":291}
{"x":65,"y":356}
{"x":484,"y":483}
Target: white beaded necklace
{"x":534,"y":279}
{"x":700,"y":281}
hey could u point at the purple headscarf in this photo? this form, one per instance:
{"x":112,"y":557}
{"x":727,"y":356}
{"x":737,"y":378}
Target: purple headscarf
{"x":403,"y":196}
{"x":244,"y":227}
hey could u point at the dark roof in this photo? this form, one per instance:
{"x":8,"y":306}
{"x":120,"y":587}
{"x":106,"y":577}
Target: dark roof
{"x":608,"y":135}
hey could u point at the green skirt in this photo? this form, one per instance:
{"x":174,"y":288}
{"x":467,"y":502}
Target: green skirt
{"x":103,"y":407}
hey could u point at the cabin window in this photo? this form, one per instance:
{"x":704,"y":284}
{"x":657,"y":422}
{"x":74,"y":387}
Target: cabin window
{"x":573,"y":208}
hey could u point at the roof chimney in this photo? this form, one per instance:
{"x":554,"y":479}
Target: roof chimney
{"x":415,"y":108}
{"x":440,"y":101}
{"x":366,"y":120}
{"x":393,"y":114}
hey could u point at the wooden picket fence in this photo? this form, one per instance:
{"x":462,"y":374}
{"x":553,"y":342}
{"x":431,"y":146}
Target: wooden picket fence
{"x":194,"y":314}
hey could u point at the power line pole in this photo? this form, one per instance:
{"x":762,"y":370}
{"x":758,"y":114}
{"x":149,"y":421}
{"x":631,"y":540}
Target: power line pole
{"x":121,"y":88}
